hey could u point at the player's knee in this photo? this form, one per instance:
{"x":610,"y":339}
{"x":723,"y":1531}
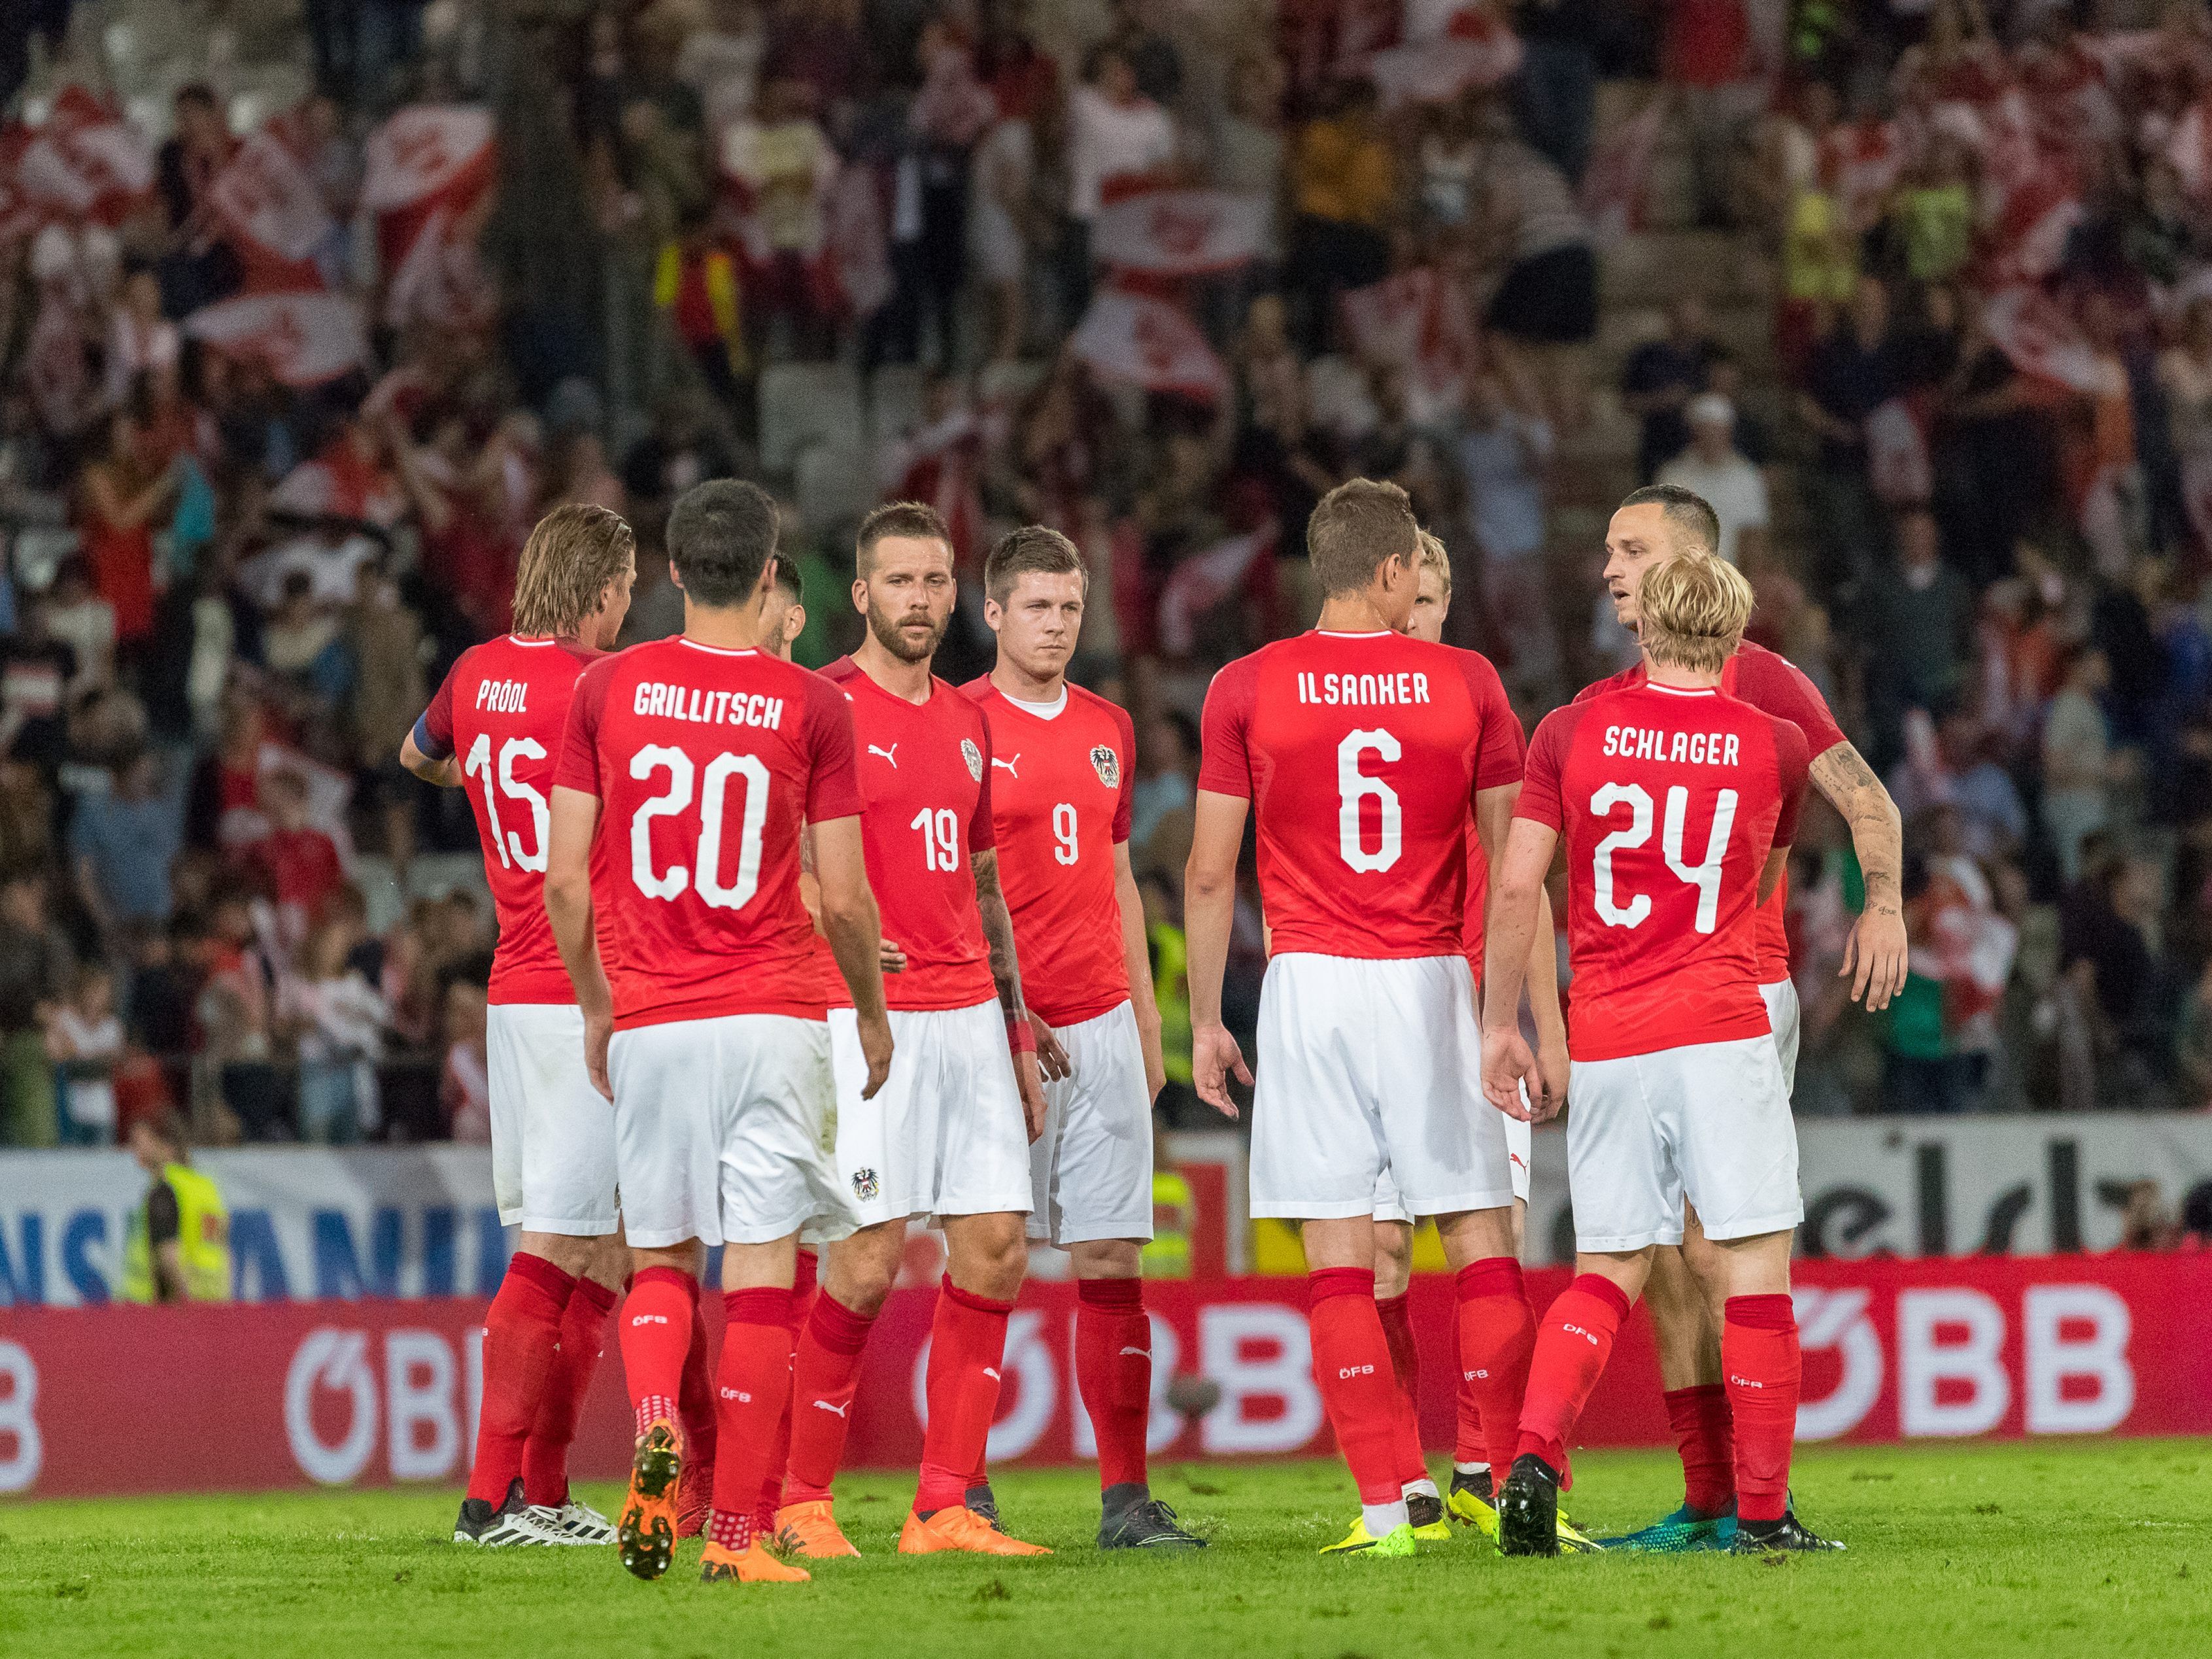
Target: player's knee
{"x":990,"y":1255}
{"x":1107,"y":1258}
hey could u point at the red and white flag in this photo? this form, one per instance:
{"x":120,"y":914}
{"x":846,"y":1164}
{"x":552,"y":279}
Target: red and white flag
{"x":1180,"y":232}
{"x":87,"y":161}
{"x":1898,"y":465}
{"x":1618,"y":181}
{"x":1861,"y":162}
{"x":274,"y":216}
{"x":2190,"y":149}
{"x":1138,"y":340}
{"x":1200,"y":583}
{"x":1419,"y":322}
{"x":305,"y":338}
{"x":2039,"y":339}
{"x":429,"y":168}
{"x":1437,"y":71}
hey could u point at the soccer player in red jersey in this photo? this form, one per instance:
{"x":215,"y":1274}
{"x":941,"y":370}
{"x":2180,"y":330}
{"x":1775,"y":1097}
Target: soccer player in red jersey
{"x":1677,"y":804}
{"x":948,"y":1138}
{"x":1688,"y":1284}
{"x":1362,"y":752}
{"x":1472,"y":1497}
{"x":494,"y":729}
{"x":1062,"y":778}
{"x":687,"y":769}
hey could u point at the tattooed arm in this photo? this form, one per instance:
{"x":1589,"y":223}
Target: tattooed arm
{"x":1007,"y":973}
{"x":1875,"y":956}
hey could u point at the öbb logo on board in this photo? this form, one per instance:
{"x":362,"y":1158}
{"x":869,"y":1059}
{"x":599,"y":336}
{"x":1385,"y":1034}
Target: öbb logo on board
{"x":421,"y":1401}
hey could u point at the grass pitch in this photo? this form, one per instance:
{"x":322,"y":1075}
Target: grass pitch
{"x":2067,"y":1547}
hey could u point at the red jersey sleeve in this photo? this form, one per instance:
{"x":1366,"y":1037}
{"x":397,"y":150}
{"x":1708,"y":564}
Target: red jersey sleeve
{"x":579,"y":739}
{"x":1793,"y":761}
{"x":1501,"y":760}
{"x":1781,"y":689}
{"x":833,"y":784}
{"x":1125,"y":805}
{"x":983,"y":828}
{"x":1224,"y":767}
{"x":434,"y":732}
{"x":1539,"y":799}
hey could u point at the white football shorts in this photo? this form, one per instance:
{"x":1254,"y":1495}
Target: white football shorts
{"x":1781,"y":1013}
{"x":725,"y":1132}
{"x":1708,"y":1121}
{"x":944,"y":1135}
{"x":1519,"y":1148}
{"x":1369,"y":1068}
{"x":1090,"y":1171}
{"x":552,"y":1133}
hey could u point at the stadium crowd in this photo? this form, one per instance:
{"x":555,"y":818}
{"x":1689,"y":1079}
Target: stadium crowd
{"x":1158,"y":275}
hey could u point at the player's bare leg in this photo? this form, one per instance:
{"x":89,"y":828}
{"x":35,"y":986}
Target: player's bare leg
{"x":857,"y":1274}
{"x":657,"y":1319}
{"x":1113,"y":1374}
{"x":542,"y":1292}
{"x":752,"y":1394}
{"x":986,"y":1256}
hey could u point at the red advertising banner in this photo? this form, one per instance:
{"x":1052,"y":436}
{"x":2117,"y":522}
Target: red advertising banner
{"x":126,"y":1400}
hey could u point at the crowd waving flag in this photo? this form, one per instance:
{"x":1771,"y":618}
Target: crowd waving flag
{"x":273,"y":215}
{"x":305,"y":338}
{"x":87,"y":163}
{"x":1137,"y":340}
{"x":430,"y":168}
{"x":2039,"y":337}
{"x":1180,"y":232}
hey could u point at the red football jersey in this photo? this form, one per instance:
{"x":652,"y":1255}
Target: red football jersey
{"x":1061,"y":786}
{"x":1670,"y":800}
{"x":705,"y":762}
{"x":1772,"y":684}
{"x":1361,"y":754}
{"x":925,"y":782}
{"x":502,"y":710}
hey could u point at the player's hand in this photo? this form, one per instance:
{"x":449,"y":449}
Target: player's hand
{"x":1052,"y":1059}
{"x":891,"y":959}
{"x":598,"y":1027}
{"x":1506,"y":1062}
{"x":1214,"y":1059}
{"x":1874,"y":958}
{"x":1552,"y":1075}
{"x":1155,"y":1066}
{"x":876,"y":1049}
{"x":1032,"y":1092}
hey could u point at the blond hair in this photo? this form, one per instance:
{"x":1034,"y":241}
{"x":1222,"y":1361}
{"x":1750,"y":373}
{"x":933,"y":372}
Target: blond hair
{"x":571,"y":556}
{"x":1433,"y":558}
{"x":1690,"y":611}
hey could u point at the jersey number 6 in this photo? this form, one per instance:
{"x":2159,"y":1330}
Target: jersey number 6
{"x":1353,"y":786}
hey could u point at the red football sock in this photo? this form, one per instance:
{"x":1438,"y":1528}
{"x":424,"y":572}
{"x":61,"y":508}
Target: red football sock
{"x":824,"y":1374}
{"x":1704,"y":1434}
{"x":967,"y":1342}
{"x":1571,"y":1348}
{"x":694,"y":1400}
{"x":522,"y":1338}
{"x":1497,"y":1338}
{"x":1114,"y":1373}
{"x":1759,"y":1356}
{"x":1397,"y":1318}
{"x":753,"y":1390}
{"x":656,"y":1340}
{"x":802,"y":1300}
{"x":1352,"y":1362}
{"x":583,"y":1333}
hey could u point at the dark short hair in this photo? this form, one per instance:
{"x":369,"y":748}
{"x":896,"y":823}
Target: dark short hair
{"x":1689,"y":515}
{"x":199,"y":92}
{"x":721,"y":535}
{"x":1034,"y":546}
{"x":917,"y":519}
{"x":1357,"y":527}
{"x":788,"y":580}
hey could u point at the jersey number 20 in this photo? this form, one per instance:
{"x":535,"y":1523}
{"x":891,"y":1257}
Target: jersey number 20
{"x":705,"y":875}
{"x":1705,"y":877}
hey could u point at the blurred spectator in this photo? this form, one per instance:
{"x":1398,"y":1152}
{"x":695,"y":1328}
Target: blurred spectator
{"x":1923,"y":613}
{"x":37,"y":968}
{"x":1503,"y":454}
{"x":1713,"y":467}
{"x":1660,"y":378}
{"x":465,"y":1087}
{"x":84,"y":1039}
{"x":1116,"y":136}
{"x":122,"y":843}
{"x":176,"y":1245}
{"x":2079,"y":766}
{"x":339,"y":1020}
{"x":298,"y":862}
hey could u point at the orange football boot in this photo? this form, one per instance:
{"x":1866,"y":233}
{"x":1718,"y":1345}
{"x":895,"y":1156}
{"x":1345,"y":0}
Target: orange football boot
{"x":752,"y":1564}
{"x":811,"y":1530}
{"x":957,"y":1528}
{"x":646,"y":1535}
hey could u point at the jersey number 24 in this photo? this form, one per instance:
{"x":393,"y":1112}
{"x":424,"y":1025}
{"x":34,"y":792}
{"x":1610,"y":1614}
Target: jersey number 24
{"x":1704,"y":876}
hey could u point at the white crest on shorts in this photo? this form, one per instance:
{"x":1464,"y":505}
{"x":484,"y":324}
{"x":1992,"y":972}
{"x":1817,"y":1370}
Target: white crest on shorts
{"x":973,"y":757}
{"x":1107,"y":765}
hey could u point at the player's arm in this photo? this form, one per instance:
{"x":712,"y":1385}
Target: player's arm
{"x":1517,"y":886}
{"x":810,"y":895}
{"x":575,"y":820}
{"x":1875,"y":954}
{"x":1041,"y":1050}
{"x":444,"y":772}
{"x":849,"y":920}
{"x":1493,"y":820}
{"x":1209,"y":911}
{"x":1136,"y":956}
{"x":1778,"y":861}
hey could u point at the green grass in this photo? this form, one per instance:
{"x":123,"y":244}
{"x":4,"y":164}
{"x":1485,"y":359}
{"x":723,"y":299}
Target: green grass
{"x":2047,"y":1547}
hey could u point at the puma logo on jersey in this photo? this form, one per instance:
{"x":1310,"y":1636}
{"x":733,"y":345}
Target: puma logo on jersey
{"x":1141,"y":1353}
{"x":989,"y":1372}
{"x":1008,"y":765}
{"x":890,"y":754}
{"x":835,"y":1410}
{"x":1515,"y":1157}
